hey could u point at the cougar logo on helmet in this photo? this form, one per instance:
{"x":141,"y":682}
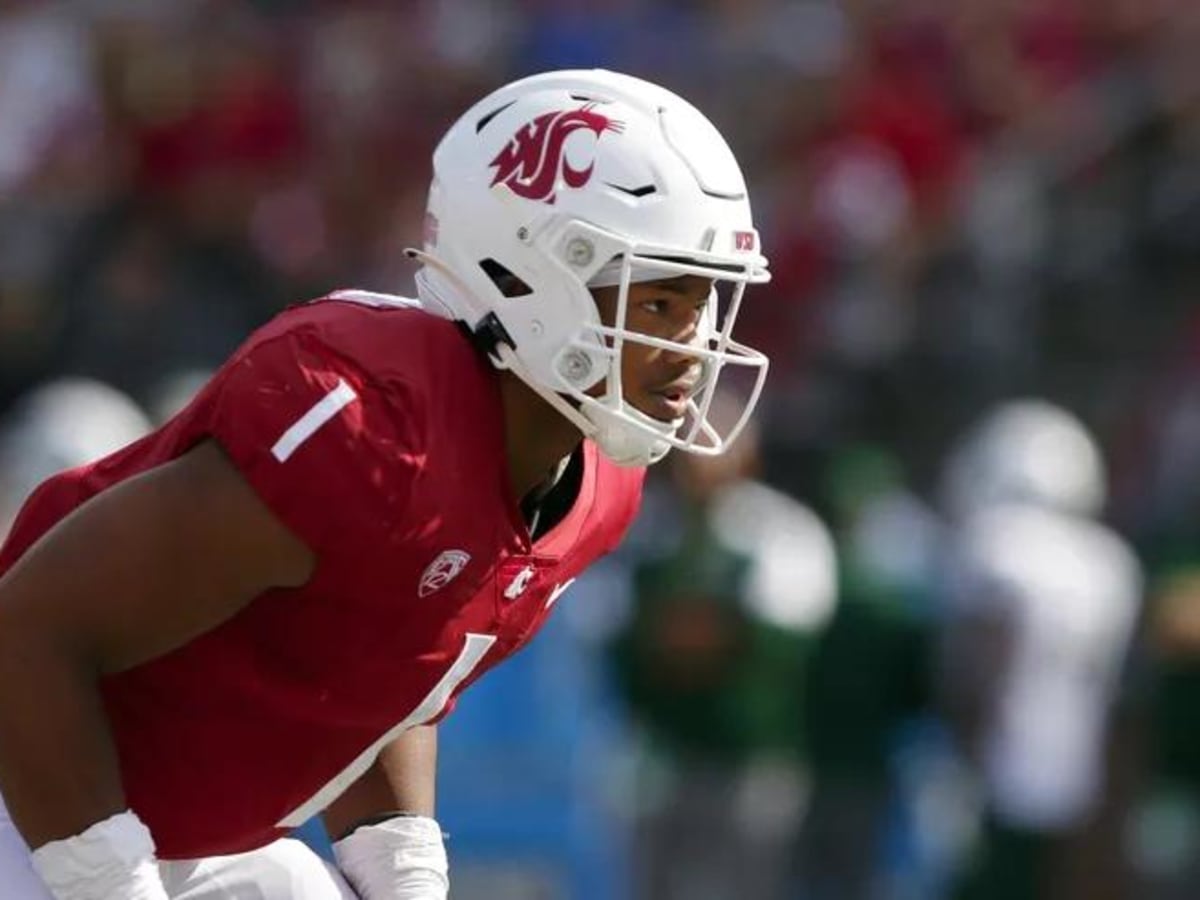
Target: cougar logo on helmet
{"x":530,"y":162}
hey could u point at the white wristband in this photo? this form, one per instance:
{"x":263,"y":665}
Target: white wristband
{"x":400,"y":859}
{"x":111,"y":860}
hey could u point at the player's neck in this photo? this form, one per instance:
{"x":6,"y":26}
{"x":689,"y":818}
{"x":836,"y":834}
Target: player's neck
{"x":536,"y":436}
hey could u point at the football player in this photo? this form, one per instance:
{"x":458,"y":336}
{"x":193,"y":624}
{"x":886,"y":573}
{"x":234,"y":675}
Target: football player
{"x":259,"y":611}
{"x":1040,"y":605}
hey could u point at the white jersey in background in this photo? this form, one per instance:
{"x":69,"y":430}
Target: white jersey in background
{"x":1066,"y":591}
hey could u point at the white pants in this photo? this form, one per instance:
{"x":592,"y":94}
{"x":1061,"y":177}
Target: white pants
{"x":284,"y":870}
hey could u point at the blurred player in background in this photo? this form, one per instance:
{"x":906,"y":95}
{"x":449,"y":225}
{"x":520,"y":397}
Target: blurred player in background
{"x":1041,"y":605}
{"x":59,"y":425}
{"x":866,"y":686}
{"x":258,"y":612}
{"x":733,"y":586}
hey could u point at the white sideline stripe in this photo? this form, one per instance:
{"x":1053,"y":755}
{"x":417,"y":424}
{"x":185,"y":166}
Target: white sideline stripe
{"x":304,"y":427}
{"x":474,"y":648}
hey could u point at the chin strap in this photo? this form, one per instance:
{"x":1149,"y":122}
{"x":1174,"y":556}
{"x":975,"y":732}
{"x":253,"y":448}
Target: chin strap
{"x":625,"y":446}
{"x":506,"y":358}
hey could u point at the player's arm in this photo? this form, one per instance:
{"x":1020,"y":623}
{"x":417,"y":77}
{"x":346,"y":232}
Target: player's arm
{"x":132,"y":574}
{"x":401,"y":780}
{"x":385,"y":837}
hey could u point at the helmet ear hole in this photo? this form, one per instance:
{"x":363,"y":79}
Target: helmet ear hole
{"x":508,"y":284}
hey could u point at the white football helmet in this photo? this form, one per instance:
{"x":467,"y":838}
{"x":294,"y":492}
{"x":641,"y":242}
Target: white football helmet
{"x":579,"y":179}
{"x":1026,"y":451}
{"x":58,"y":425}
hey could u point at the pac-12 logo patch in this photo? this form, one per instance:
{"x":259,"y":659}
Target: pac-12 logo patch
{"x":532,"y":161}
{"x":442,"y":571}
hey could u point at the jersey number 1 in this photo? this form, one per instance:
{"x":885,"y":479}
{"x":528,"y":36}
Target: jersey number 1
{"x":474,"y":648}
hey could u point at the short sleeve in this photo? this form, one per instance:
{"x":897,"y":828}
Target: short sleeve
{"x":330,"y":452}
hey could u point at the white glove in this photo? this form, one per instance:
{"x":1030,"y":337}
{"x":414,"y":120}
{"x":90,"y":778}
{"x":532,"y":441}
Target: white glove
{"x":402,"y":858}
{"x":111,"y":860}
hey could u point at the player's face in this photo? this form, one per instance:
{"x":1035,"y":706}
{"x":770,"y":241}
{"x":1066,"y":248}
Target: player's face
{"x":655,"y":381}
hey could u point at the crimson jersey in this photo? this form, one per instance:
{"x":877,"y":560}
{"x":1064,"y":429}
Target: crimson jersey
{"x":375,"y":431}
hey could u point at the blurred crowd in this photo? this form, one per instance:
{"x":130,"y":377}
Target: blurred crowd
{"x":822,"y":677}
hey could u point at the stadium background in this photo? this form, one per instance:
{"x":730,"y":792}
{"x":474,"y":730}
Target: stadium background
{"x":963,"y":202}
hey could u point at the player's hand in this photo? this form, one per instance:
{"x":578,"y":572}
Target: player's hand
{"x":111,"y":860}
{"x":402,"y":858}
